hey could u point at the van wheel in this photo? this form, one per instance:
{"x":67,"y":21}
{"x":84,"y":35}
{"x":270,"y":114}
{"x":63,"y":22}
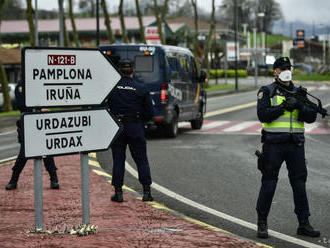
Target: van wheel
{"x":198,"y":122}
{"x":171,"y":130}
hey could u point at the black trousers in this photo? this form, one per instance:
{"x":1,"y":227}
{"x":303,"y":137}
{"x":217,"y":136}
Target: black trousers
{"x":21,"y":161}
{"x":133,"y":136}
{"x":294,"y":156}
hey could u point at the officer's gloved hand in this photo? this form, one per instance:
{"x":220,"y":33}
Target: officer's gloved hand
{"x":290,"y":104}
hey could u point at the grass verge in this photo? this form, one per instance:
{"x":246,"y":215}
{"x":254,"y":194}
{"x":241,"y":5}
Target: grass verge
{"x":214,"y":87}
{"x":11,"y":113}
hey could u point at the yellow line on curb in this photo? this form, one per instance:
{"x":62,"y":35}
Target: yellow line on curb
{"x":94,"y":163}
{"x":230,"y":109}
{"x":101,"y":173}
{"x":92,"y":154}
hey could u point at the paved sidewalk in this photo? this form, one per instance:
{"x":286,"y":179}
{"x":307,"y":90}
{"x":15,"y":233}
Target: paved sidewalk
{"x":132,"y":223}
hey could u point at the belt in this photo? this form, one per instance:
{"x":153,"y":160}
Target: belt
{"x":129,"y":118}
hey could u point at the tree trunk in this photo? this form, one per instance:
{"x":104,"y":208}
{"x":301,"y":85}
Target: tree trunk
{"x":208,"y":41}
{"x":159,"y":23}
{"x":107,"y":22}
{"x":66,"y":35}
{"x":29,"y":17}
{"x":122,"y":23}
{"x":73,"y":24}
{"x":3,"y":78}
{"x":139,"y":16}
{"x":194,"y":4}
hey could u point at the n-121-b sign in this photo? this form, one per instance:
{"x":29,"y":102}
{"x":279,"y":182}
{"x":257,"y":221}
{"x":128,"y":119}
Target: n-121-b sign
{"x":66,"y":77}
{"x":58,"y":133}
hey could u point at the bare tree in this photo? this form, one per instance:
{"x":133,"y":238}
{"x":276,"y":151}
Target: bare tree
{"x":66,"y":35}
{"x":208,"y":41}
{"x":159,"y":22}
{"x":73,"y":24}
{"x":3,"y":78}
{"x":122,"y":22}
{"x":29,"y":17}
{"x":139,"y":16}
{"x":194,"y":4}
{"x":107,"y":21}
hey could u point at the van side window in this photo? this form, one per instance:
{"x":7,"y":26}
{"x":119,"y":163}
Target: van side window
{"x":173,"y":64}
{"x":193,"y":69}
{"x":184,"y":69}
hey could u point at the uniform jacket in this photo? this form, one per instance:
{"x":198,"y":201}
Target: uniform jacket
{"x":268,"y":113}
{"x":130,"y":98}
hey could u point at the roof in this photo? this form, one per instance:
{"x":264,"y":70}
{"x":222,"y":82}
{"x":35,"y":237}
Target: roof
{"x":176,"y":26}
{"x":10,"y":56}
{"x":190,"y":22}
{"x":82,"y":24}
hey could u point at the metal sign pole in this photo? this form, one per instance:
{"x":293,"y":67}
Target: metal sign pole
{"x":38,"y":205}
{"x":84,"y":187}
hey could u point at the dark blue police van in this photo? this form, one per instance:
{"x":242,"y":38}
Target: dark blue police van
{"x":171,"y":76}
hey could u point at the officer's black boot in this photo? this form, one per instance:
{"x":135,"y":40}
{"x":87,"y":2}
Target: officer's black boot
{"x":53,"y":180}
{"x":13,"y":181}
{"x":306,"y":229}
{"x":147,"y":193}
{"x":118,"y":195}
{"x":262,"y":228}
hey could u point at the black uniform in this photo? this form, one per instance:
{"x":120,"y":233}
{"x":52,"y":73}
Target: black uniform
{"x":130,"y":102}
{"x":21,"y":159}
{"x":277,"y":148}
{"x":280,"y":147}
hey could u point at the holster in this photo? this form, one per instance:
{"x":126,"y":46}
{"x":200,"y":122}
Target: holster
{"x":261,"y":161}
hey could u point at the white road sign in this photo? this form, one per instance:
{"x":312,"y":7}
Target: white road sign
{"x":231,"y":51}
{"x":55,"y":133}
{"x":66,"y":77}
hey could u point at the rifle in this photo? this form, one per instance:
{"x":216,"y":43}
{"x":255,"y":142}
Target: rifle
{"x":301,"y":96}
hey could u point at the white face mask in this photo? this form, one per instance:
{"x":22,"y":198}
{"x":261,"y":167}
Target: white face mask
{"x":285,"y":76}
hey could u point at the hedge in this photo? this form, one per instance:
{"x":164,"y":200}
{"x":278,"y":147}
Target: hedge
{"x":230,"y":73}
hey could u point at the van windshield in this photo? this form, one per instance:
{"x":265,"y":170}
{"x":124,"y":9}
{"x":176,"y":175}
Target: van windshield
{"x":147,"y":68}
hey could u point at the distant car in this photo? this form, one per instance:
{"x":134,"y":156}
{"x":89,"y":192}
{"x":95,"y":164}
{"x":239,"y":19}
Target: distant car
{"x":11,"y":88}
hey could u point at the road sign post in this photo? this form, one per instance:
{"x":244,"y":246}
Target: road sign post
{"x":38,"y":199}
{"x":84,"y":187}
{"x":61,"y":77}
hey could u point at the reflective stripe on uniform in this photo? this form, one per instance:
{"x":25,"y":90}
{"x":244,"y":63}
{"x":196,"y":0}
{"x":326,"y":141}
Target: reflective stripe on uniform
{"x":288,"y":122}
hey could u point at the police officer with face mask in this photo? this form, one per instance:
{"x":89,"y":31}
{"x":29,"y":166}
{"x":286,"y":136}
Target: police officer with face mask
{"x":130,"y":102}
{"x":21,"y":159}
{"x":283,"y":139}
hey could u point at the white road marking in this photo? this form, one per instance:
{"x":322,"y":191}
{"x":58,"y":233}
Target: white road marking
{"x":227,"y":217}
{"x":239,"y":126}
{"x":9,"y":132}
{"x":214,"y":124}
{"x":7,"y":159}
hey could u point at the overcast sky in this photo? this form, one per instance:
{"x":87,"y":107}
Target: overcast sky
{"x":309,"y":11}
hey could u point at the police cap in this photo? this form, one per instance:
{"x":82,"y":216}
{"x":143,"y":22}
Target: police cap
{"x":126,"y":66}
{"x":282,"y":63}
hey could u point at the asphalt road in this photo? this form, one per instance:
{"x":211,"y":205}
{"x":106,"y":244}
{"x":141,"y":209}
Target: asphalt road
{"x":217,"y":168}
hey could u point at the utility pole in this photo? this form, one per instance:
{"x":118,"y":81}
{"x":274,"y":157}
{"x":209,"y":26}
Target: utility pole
{"x":36,"y":36}
{"x":61,"y":19}
{"x":97,"y":24}
{"x":236,"y":30}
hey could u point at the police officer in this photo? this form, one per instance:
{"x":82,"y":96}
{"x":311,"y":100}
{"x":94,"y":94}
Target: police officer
{"x":283,"y":139}
{"x":21,"y":159}
{"x":130,"y":102}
